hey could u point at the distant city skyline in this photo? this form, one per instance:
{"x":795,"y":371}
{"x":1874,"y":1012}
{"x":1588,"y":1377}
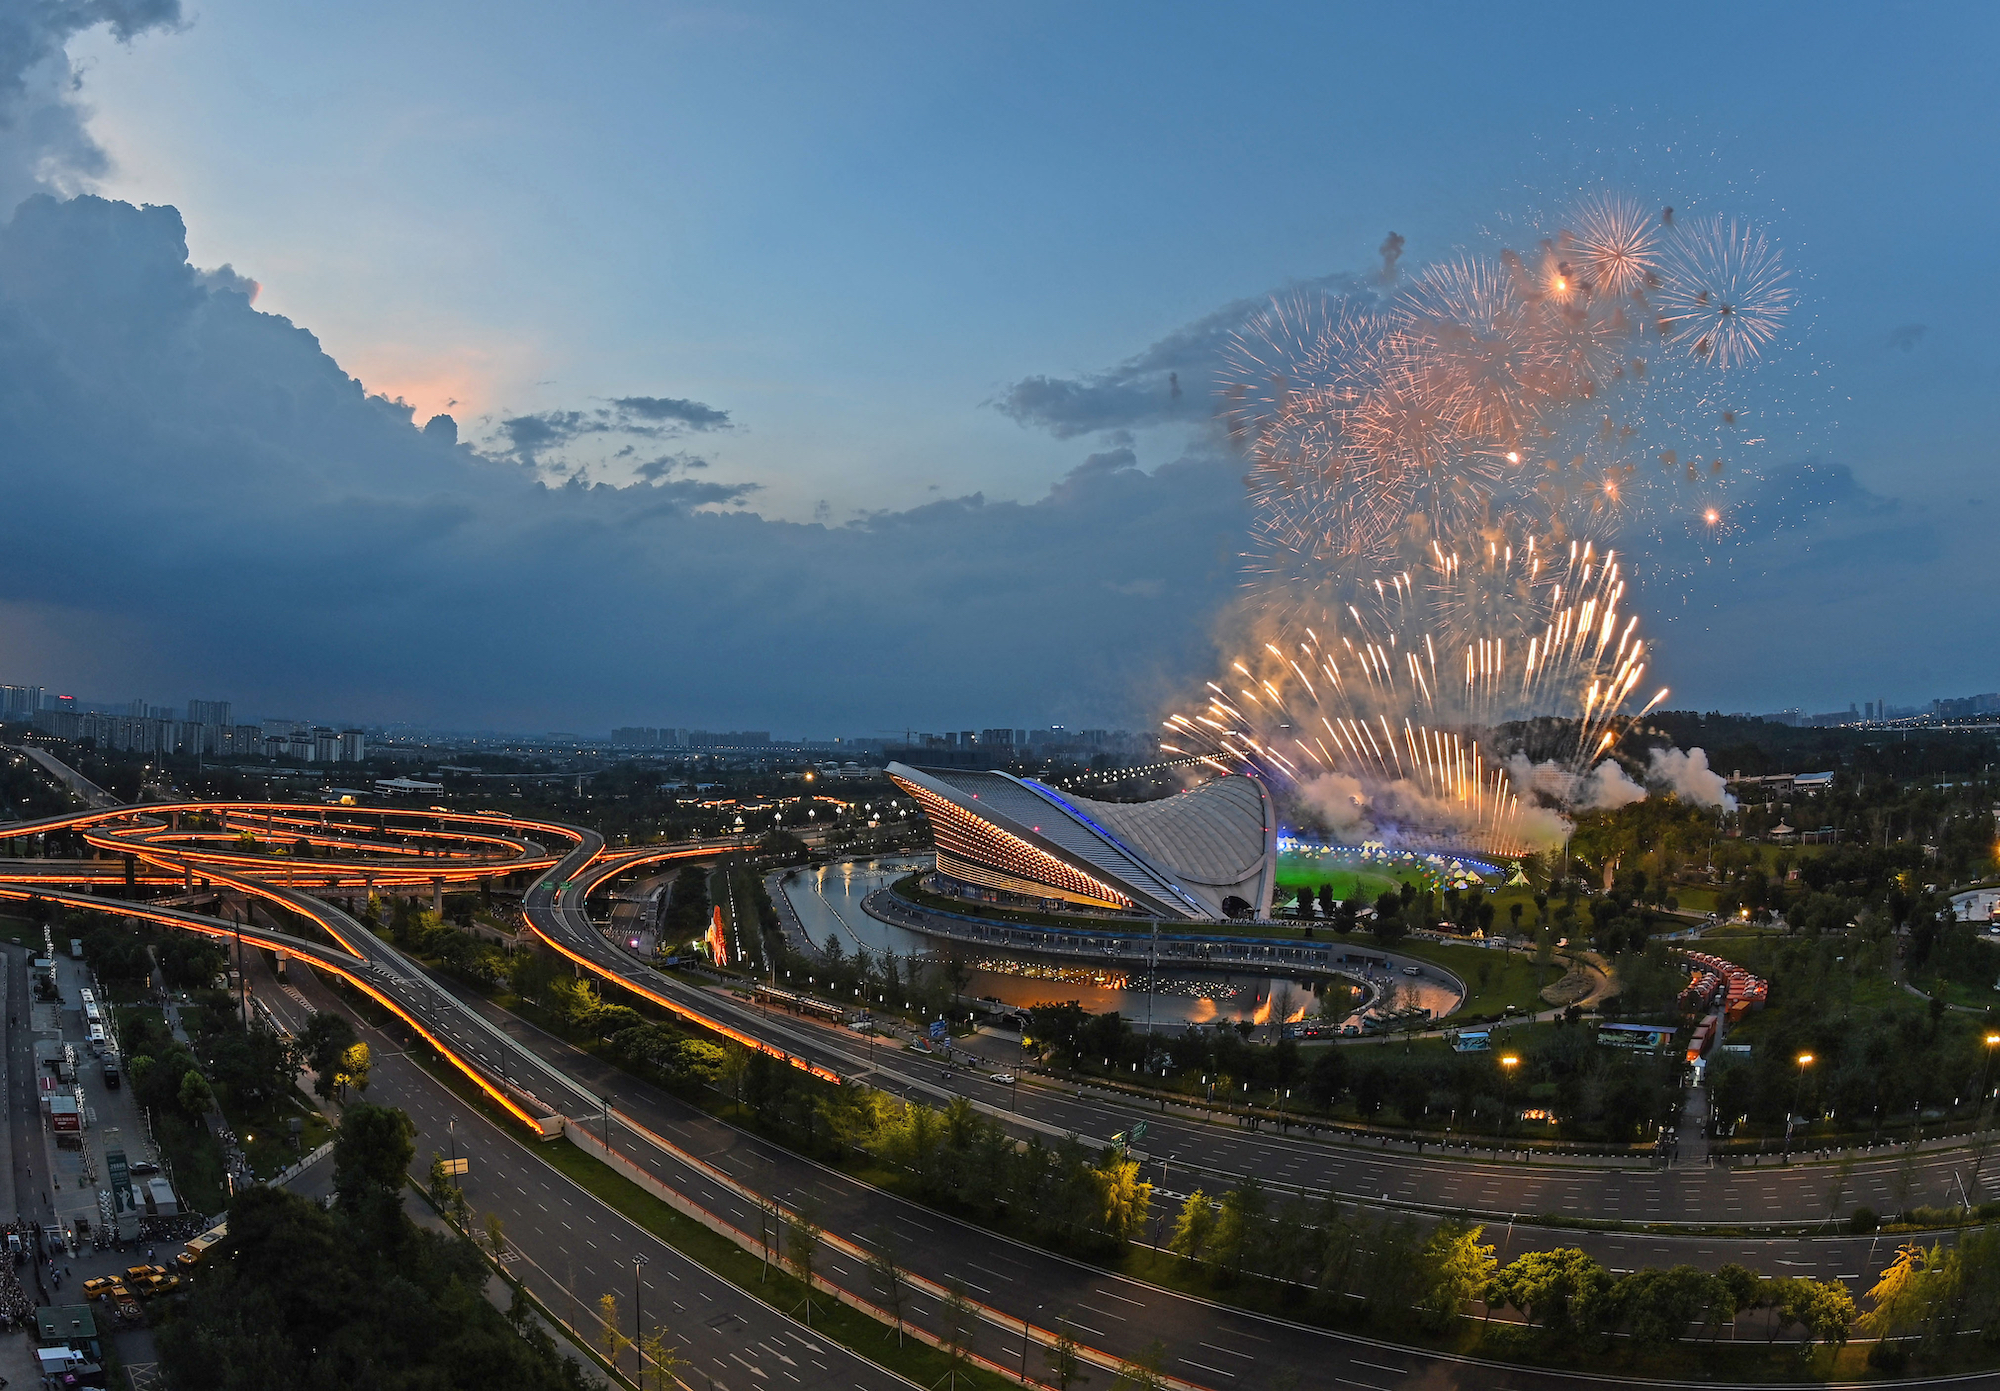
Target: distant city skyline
{"x":15,"y":698}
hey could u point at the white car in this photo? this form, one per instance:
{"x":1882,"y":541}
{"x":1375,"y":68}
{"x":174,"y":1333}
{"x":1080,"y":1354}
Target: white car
{"x":1002,"y":1077}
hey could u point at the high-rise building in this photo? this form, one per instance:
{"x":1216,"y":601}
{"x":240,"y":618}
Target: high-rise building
{"x":209,"y":711}
{"x":20,"y":702}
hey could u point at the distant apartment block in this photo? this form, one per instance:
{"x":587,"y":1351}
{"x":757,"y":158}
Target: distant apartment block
{"x":150,"y":735}
{"x":1967,"y":707}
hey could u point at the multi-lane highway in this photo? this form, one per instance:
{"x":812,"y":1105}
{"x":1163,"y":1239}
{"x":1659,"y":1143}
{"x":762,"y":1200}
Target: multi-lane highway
{"x":569,"y":1247}
{"x":543,"y":1082}
{"x":1693,"y":1195}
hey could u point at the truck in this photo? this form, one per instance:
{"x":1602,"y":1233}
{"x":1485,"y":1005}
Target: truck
{"x":112,"y":1072}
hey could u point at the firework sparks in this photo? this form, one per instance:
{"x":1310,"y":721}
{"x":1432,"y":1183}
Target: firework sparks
{"x":1433,"y":499}
{"x":1724,"y":294}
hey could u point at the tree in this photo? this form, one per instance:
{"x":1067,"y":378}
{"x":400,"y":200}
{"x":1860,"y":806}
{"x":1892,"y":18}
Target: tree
{"x":449,"y":1194}
{"x":1658,"y":1305}
{"x":1057,"y":1030}
{"x":1127,"y":1199}
{"x":888,"y":1277}
{"x":355,"y":1061}
{"x":1238,"y":1227}
{"x":1064,"y":1361}
{"x":660,"y":1362}
{"x":326,"y":1038}
{"x":956,"y":1325}
{"x":802,"y":1253}
{"x":1738,"y":1288}
{"x":254,"y":1066}
{"x":1823,"y":1310}
{"x":1908,"y":1296}
{"x":302,"y":1297}
{"x":1456,"y":1269}
{"x":1144,"y":1372}
{"x":496,"y":1235}
{"x":1388,"y":925}
{"x":1192,"y":1229}
{"x":371,"y":1153}
{"x":609,"y":1328}
{"x":195,"y":1096}
{"x":1327,"y":1078}
{"x":1563,"y":1290}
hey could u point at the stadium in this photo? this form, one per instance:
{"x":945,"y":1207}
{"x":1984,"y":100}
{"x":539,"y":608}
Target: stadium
{"x":1202,"y":855}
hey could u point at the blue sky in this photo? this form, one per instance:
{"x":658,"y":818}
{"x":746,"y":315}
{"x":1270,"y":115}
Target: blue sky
{"x":854,"y":231}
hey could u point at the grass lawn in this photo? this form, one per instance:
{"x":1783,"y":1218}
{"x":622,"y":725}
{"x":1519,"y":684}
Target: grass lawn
{"x":1976,"y":995}
{"x":196,"y":1157}
{"x":1694,"y":898}
{"x":21,"y":932}
{"x":266,"y":1134}
{"x":1493,"y":979}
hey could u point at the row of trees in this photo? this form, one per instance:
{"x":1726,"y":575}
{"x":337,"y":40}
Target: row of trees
{"x":1592,"y":1091}
{"x":359,"y":1295}
{"x":1402,"y":1277}
{"x":1065,"y":1194}
{"x":1328,"y":1255}
{"x":120,"y":957}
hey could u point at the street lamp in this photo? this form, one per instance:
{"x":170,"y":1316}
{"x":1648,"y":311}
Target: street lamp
{"x":1985,"y":1086}
{"x":638,"y":1327}
{"x":1024,"y":1344}
{"x":1805,"y":1061}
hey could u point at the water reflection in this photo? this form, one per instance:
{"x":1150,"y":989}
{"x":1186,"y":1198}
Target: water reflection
{"x":828,"y":899}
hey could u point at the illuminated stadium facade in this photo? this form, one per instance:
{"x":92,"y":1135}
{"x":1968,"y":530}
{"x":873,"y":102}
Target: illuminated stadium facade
{"x":1202,"y":855}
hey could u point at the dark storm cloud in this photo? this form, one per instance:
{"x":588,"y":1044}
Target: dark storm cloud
{"x":535,"y":438}
{"x":692,"y":414}
{"x":531,"y":435}
{"x":1144,"y":389}
{"x":197,"y":497}
{"x":42,"y":137}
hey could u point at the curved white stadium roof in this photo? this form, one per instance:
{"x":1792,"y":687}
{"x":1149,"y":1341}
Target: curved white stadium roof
{"x":1177,"y":857}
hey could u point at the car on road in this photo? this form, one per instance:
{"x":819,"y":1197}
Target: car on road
{"x":1413,"y":970}
{"x":1004,"y":1078}
{"x":142,"y":1168}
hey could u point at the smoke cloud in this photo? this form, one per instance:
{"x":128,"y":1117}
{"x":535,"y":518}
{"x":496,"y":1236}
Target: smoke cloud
{"x":1607,"y":788}
{"x":1401,"y":812}
{"x":1689,"y":777}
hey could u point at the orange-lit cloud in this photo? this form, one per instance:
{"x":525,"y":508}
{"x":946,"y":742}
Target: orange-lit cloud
{"x":459,"y":380}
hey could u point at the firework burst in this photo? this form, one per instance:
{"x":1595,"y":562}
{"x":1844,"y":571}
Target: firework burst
{"x":1724,"y":295}
{"x":1435,"y":477}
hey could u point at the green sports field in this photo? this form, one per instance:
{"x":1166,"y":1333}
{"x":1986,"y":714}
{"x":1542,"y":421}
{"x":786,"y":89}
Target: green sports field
{"x":1305,"y":869}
